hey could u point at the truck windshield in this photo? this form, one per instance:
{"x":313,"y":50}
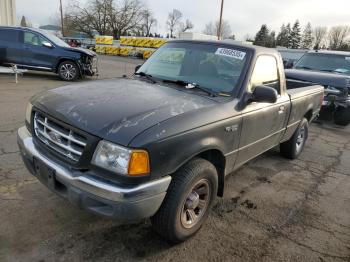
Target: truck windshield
{"x":325,"y":62}
{"x":210,"y":66}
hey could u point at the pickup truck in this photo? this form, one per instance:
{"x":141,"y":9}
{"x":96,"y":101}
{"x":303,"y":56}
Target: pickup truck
{"x":330,"y":69}
{"x":160,"y":143}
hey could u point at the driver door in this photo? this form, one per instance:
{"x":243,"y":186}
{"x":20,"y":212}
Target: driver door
{"x":35,"y":54}
{"x":263,"y":123}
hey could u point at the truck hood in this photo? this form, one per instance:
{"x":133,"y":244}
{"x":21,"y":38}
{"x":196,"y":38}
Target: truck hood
{"x":321,"y":78}
{"x":117,"y":109}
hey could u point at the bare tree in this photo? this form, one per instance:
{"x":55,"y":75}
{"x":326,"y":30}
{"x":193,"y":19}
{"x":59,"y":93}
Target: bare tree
{"x":107,"y":17}
{"x":320,"y":34}
{"x":126,"y":17}
{"x":95,"y":16}
{"x":338,"y":35}
{"x":212,"y":29}
{"x":148,"y":21}
{"x":174,"y":19}
{"x":188,"y":25}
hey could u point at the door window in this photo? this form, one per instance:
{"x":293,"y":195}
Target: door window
{"x":265,"y":73}
{"x":9,"y":35}
{"x":33,"y":39}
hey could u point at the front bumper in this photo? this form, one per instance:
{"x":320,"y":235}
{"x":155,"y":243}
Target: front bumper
{"x":92,"y":193}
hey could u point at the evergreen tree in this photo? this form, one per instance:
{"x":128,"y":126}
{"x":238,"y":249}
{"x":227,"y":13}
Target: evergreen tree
{"x":23,"y":21}
{"x":262,"y":36}
{"x":307,"y":38}
{"x":271,"y":40}
{"x":295,"y":35}
{"x":288,"y":36}
{"x":283,"y":37}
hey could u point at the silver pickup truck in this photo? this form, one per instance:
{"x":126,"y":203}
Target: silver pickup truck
{"x":160,"y":143}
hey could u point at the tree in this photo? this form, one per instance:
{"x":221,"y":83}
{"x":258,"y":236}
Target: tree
{"x":212,"y":28}
{"x":148,"y":21}
{"x":106,"y":17}
{"x":126,"y":17}
{"x":262,"y":36}
{"x":307,"y":38}
{"x":295,"y":36}
{"x":337,"y":36}
{"x":289,"y":34}
{"x":271,"y":42}
{"x":174,"y":19}
{"x":320,"y":33}
{"x":283,"y":37}
{"x":188,"y":25}
{"x":23,"y":21}
{"x":94,"y":16}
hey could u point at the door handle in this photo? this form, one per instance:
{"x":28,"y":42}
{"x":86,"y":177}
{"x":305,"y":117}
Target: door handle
{"x":281,"y":110}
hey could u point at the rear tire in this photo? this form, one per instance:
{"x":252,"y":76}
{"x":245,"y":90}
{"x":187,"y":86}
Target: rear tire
{"x":342,"y":116}
{"x":68,"y":71}
{"x":187,"y":203}
{"x":294,"y":146}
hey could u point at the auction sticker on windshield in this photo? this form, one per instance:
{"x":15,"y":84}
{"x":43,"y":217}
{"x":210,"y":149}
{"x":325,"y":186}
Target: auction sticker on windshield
{"x":231,"y":53}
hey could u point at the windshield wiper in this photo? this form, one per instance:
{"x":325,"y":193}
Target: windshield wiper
{"x":189,"y":85}
{"x":148,"y":76}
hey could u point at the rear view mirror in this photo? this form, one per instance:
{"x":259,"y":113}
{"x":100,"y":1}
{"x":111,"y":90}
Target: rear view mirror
{"x":264,"y":94}
{"x":47,"y":44}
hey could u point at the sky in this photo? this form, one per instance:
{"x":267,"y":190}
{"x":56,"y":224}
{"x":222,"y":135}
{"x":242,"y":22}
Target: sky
{"x":245,"y":17}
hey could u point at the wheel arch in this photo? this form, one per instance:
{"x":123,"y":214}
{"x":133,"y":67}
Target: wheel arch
{"x":217,"y":158}
{"x":63,"y":59}
{"x":308,"y":115}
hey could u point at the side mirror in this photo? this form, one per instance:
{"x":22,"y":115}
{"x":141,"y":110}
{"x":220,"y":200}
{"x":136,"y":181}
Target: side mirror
{"x":137,"y":68}
{"x":47,"y":44}
{"x":289,"y":64}
{"x":264,"y":94}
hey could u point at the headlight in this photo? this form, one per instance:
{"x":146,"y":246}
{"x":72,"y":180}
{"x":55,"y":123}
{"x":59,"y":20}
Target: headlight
{"x":121,"y":160}
{"x":29,"y":112}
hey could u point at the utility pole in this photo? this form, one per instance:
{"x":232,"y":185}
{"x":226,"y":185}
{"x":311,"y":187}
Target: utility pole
{"x":220,"y":20}
{"x":62,"y":29}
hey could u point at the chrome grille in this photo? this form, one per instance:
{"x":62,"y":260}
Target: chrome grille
{"x":59,"y":138}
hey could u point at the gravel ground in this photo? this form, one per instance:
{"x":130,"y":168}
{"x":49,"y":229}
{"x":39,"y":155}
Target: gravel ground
{"x":273,"y":209}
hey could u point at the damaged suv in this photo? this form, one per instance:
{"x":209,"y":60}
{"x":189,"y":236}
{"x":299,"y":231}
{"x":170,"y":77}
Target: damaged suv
{"x":35,"y":49}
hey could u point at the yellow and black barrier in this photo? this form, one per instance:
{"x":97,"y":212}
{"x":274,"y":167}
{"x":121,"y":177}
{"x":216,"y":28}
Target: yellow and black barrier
{"x":142,"y":41}
{"x":112,"y":50}
{"x":104,"y":40}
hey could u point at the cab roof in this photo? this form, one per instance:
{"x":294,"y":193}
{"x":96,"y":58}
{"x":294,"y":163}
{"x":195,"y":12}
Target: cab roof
{"x":330,"y":52}
{"x":233,"y":43}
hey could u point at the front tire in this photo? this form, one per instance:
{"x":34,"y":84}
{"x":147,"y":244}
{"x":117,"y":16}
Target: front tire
{"x":68,"y":71}
{"x":342,"y":116}
{"x":189,"y":198}
{"x":294,"y":146}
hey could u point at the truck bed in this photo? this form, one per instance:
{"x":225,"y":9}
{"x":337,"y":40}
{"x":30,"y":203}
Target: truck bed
{"x":303,"y":95}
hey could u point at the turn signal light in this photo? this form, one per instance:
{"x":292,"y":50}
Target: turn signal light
{"x":139,"y":163}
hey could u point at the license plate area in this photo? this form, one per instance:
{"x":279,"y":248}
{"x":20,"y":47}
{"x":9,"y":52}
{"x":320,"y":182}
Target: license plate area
{"x":44,"y":173}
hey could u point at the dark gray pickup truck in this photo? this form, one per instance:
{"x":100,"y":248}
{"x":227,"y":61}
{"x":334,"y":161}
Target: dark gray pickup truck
{"x":330,"y":69}
{"x":160,"y":143}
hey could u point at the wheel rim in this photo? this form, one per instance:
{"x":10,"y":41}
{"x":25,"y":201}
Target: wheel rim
{"x":68,"y":71}
{"x":196,"y":204}
{"x":300,"y":139}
